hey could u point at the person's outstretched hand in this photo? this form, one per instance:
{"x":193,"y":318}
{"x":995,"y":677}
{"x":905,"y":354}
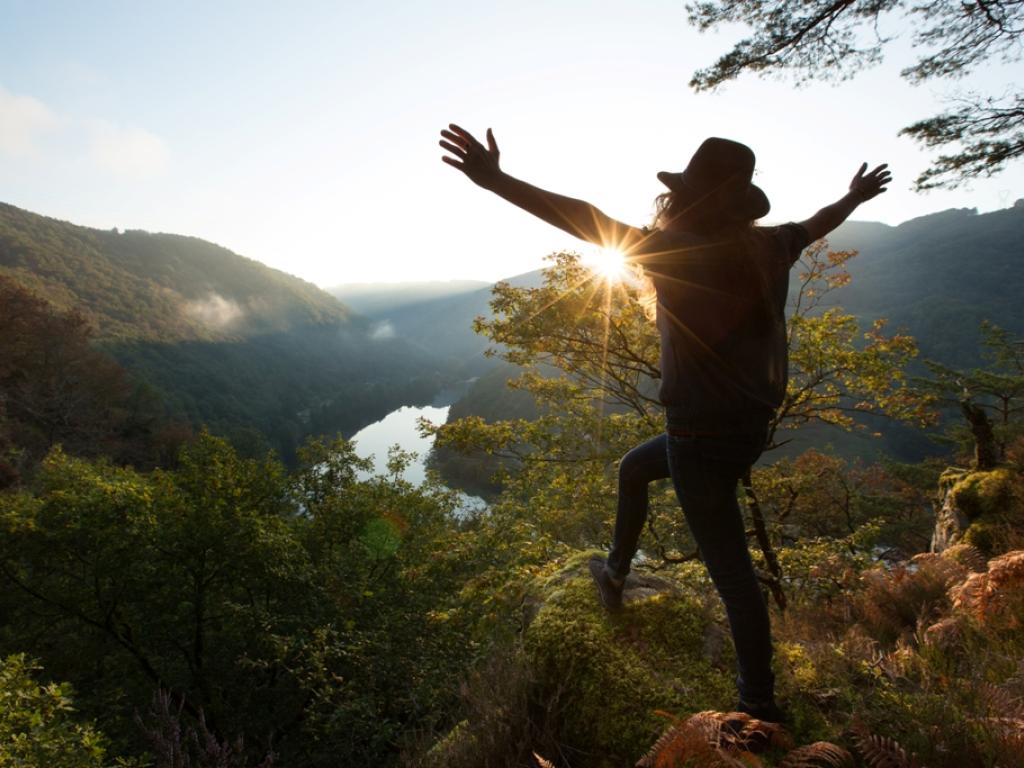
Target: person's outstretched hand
{"x":873,"y":184}
{"x":478,"y":162}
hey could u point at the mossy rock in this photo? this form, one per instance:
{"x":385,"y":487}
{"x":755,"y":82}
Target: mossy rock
{"x":950,"y":477}
{"x":982,"y":534}
{"x":979,"y":494}
{"x":606,"y":678}
{"x":980,"y":508}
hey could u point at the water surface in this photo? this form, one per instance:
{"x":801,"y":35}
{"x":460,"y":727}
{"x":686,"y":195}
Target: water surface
{"x":400,"y":428}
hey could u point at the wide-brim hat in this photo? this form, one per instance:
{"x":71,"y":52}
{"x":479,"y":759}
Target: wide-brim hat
{"x":720,"y":172}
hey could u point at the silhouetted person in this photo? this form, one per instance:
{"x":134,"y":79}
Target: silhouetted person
{"x":721,"y":284}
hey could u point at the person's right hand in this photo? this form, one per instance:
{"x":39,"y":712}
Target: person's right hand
{"x":478,"y":162}
{"x":873,"y":184}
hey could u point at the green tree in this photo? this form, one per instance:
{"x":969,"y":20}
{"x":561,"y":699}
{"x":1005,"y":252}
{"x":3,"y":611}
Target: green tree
{"x":990,"y":399}
{"x":837,"y":372}
{"x":309,"y":613}
{"x":39,"y":725}
{"x":831,"y":39}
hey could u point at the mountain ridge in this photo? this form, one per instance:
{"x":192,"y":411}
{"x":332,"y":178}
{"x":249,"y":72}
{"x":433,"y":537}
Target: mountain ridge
{"x":137,"y":285}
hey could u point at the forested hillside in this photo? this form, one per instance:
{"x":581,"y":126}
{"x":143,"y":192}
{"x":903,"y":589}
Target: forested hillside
{"x":156,"y":287}
{"x":939,"y":276}
{"x":255,"y":354}
{"x":375,"y":299}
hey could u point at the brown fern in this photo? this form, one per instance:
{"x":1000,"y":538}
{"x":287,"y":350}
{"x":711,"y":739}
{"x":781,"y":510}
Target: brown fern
{"x":710,"y":738}
{"x":968,"y":596}
{"x":820,"y":754}
{"x":986,"y":595}
{"x":1000,"y":702}
{"x":1004,"y":718}
{"x":944,"y":633}
{"x":883,"y":752}
{"x":968,"y":556}
{"x":667,"y":737}
{"x":687,"y":743}
{"x":1007,"y":571}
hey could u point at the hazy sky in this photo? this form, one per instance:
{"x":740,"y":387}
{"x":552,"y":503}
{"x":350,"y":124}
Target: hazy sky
{"x":304,"y":134}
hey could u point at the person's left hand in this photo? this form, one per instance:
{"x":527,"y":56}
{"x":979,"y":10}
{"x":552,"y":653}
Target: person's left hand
{"x":872,"y":184}
{"x":478,"y":162}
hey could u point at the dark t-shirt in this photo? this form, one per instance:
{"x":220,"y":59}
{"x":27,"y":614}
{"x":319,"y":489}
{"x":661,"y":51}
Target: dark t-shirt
{"x":721,"y":316}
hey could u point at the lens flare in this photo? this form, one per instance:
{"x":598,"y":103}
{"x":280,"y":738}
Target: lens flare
{"x":609,"y":263}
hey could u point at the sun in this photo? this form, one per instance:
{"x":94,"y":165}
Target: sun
{"x":609,"y":263}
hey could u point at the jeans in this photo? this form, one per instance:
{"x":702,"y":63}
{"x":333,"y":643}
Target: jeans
{"x":705,"y":470}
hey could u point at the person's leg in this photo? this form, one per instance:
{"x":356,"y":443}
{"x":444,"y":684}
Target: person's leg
{"x":705,"y":472}
{"x":642,"y":465}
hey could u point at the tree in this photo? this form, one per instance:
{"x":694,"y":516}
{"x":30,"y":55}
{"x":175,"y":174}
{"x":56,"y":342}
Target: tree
{"x":833,"y":39}
{"x":38,"y":726}
{"x":56,"y":387}
{"x":990,"y":399}
{"x":838,"y":373}
{"x":305,"y":612}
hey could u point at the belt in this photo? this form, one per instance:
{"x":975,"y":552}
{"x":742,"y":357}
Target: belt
{"x":677,"y":432}
{"x":681,"y":422}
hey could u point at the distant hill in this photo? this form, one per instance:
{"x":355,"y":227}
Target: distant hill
{"x":939,"y":276}
{"x":444,"y":325}
{"x":249,"y":351}
{"x":156,"y":287}
{"x":372,"y":299}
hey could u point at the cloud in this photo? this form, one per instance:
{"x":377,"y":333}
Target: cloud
{"x":383,"y":330}
{"x":127,"y":151}
{"x":214,"y":311}
{"x":22,"y":120}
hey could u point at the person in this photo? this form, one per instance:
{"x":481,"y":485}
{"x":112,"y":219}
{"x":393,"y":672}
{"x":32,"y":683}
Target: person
{"x":721,"y":283}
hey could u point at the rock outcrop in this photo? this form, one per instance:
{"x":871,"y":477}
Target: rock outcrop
{"x":978,"y":508}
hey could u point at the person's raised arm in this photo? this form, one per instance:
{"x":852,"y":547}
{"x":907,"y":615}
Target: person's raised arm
{"x":577,"y":217}
{"x":862,"y":188}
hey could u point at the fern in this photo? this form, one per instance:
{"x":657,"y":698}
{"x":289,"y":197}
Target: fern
{"x":883,"y":752}
{"x":820,"y":754}
{"x":1001,"y":703}
{"x":984,"y":595}
{"x":714,"y":739}
{"x":661,"y":745}
{"x":968,"y":556}
{"x":1004,"y":720}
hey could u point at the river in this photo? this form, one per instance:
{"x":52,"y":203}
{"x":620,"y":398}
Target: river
{"x":399,"y":428}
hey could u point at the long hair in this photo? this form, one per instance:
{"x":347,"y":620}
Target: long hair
{"x":699,"y":216}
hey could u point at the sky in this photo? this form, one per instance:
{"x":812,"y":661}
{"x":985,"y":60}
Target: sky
{"x":304,"y":134}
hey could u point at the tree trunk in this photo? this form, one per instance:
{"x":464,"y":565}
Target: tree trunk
{"x":774,"y":582}
{"x":986,"y":451}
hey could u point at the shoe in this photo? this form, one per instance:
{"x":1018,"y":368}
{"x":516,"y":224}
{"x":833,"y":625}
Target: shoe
{"x":769,"y":712}
{"x":609,"y":591}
